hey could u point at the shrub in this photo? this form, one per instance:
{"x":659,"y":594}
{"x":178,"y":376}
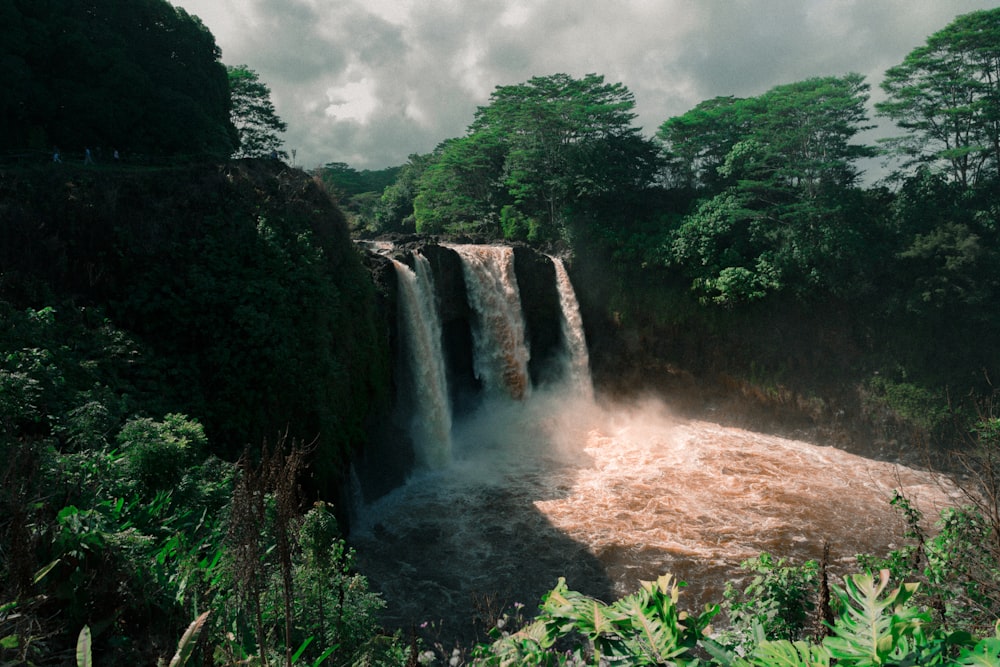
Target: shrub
{"x":156,"y":454}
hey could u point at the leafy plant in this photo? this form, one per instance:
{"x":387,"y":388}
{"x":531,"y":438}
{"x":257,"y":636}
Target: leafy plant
{"x":873,"y":628}
{"x":644,"y":628}
{"x":777,"y":602}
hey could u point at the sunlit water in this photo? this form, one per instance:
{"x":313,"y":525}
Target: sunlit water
{"x":609,"y":496}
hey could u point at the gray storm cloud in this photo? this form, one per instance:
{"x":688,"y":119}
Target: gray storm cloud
{"x":369,"y":82}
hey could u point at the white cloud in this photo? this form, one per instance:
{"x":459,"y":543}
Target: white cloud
{"x":371,"y":81}
{"x":354,"y":101}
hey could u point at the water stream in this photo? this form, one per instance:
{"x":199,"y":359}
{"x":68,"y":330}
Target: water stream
{"x":545,"y":483}
{"x":431,"y":424}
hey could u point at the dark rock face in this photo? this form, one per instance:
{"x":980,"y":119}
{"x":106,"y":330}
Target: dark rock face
{"x":456,"y":327}
{"x":384,"y":463}
{"x":536,"y":280}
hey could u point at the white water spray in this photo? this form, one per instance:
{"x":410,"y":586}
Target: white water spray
{"x":577,"y":358}
{"x":501,"y":354}
{"x":431,"y":428}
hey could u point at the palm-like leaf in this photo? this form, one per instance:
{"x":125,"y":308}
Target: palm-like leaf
{"x":654,"y":625}
{"x":872,"y":627}
{"x":784,"y":653}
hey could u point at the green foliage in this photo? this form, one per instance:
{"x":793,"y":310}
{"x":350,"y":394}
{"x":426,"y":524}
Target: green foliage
{"x":874,"y":626}
{"x":696,"y":144}
{"x":957,"y":563}
{"x":344,"y":181}
{"x":142,"y":76}
{"x":871,"y":628}
{"x":394,"y":211}
{"x":253,"y":115}
{"x":374,"y":201}
{"x":779,"y":602}
{"x":962,"y":569}
{"x":518,"y":227}
{"x":784,"y":653}
{"x":902,"y":563}
{"x":907,"y":402}
{"x":541,"y":147}
{"x":947,"y":95}
{"x":460,"y":190}
{"x":117,"y":520}
{"x":644,"y":628}
{"x":782,"y":162}
{"x":156,"y":454}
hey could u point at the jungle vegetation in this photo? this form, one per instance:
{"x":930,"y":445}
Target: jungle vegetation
{"x":190,"y":353}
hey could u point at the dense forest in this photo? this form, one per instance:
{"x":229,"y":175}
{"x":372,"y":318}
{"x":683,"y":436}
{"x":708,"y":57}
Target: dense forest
{"x":192,"y":349}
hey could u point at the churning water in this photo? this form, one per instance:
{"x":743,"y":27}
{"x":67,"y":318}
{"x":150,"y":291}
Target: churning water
{"x":608,"y":496}
{"x":534,"y":487}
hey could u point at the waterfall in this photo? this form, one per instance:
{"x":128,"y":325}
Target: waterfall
{"x":501,"y":355}
{"x":577,"y":372}
{"x":431,"y":427}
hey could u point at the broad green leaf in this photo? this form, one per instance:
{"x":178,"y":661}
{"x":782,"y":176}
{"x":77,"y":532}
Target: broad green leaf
{"x":303,"y":647}
{"x":985,"y":654}
{"x":84,"y":656}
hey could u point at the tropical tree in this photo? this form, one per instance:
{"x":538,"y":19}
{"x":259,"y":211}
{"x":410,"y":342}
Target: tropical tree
{"x":776,"y":171}
{"x":141,"y":76}
{"x":461,"y":190}
{"x":253,"y":115}
{"x":946,"y":94}
{"x":696,"y":144}
{"x":394,"y":210}
{"x":537,"y":150}
{"x":561,"y":137}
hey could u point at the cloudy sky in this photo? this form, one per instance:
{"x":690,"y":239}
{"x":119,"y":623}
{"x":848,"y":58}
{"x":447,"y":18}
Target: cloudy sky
{"x":369,"y":82}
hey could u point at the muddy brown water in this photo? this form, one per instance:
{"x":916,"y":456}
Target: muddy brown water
{"x":607,"y":496}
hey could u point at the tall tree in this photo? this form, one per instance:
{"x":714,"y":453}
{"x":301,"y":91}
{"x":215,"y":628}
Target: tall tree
{"x":780,"y":218}
{"x":562,"y":137}
{"x":535,"y":151}
{"x":141,"y":76}
{"x":696,"y":144}
{"x":947,"y":95}
{"x":394,"y":211}
{"x":253,"y":115}
{"x":460,"y":189}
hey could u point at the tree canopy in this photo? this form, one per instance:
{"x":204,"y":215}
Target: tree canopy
{"x":535,"y":150}
{"x":253,"y":114}
{"x":142,"y":76}
{"x":774,"y":169}
{"x":946,"y":94}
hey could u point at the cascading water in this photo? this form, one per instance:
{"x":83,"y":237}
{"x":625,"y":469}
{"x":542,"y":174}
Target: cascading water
{"x":501,"y":355}
{"x":577,"y":373}
{"x":605,"y":495}
{"x":431,"y":427}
